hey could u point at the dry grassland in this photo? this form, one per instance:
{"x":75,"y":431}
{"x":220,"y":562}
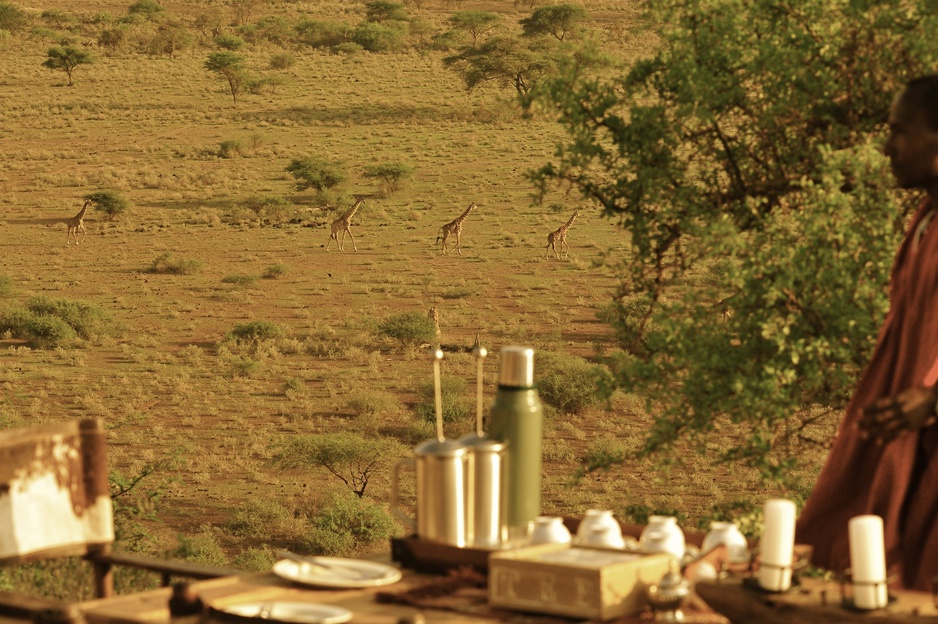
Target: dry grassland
{"x":150,"y":128}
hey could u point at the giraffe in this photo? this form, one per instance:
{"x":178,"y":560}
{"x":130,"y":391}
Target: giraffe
{"x":342,"y":225}
{"x":559,"y":236}
{"x":453,"y":227}
{"x":76,"y":224}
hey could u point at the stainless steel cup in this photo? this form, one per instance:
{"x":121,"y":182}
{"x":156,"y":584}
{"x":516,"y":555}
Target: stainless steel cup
{"x":440,"y":466}
{"x":485,"y":491}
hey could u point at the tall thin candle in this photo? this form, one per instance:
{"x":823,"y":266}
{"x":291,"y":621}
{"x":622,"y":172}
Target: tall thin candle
{"x":778,"y":544}
{"x":868,"y":562}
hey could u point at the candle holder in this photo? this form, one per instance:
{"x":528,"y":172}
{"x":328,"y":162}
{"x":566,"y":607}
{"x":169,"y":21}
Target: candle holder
{"x":750,"y":576}
{"x":847,"y":600}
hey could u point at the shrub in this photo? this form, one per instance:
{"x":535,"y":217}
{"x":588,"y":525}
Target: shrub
{"x":570,"y":383}
{"x":376,"y":37}
{"x":390,"y":174}
{"x":254,"y":332}
{"x":271,"y":209}
{"x":165,"y":263}
{"x":239,"y":279}
{"x":230,"y":148}
{"x":6,"y":286}
{"x":282,"y":61}
{"x":12,"y":18}
{"x":457,"y":404}
{"x":410,"y":328}
{"x":274,"y":271}
{"x":319,"y":34}
{"x":259,"y":519}
{"x":85,"y":319}
{"x":346,"y":525}
{"x":316,"y":173}
{"x":108,"y":202}
{"x":230,"y":42}
{"x":372,"y":402}
{"x":203,"y":548}
{"x":146,"y":8}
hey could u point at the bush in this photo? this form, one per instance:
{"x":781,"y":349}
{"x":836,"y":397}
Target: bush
{"x":348,"y":525}
{"x":316,"y":173}
{"x":165,"y":263}
{"x":457,"y":403}
{"x":259,"y":519}
{"x":274,"y":271}
{"x":230,"y":148}
{"x":48,"y":323}
{"x":378,"y":37}
{"x":390,"y":174}
{"x":254,"y":332}
{"x":6,"y":286}
{"x":570,"y":383}
{"x":108,"y":202}
{"x":320,"y":34}
{"x":12,"y":18}
{"x":372,"y":402}
{"x":410,"y":328}
{"x":229,"y":42}
{"x":146,"y":8}
{"x":271,"y":209}
{"x":282,"y":61}
{"x":239,"y":279}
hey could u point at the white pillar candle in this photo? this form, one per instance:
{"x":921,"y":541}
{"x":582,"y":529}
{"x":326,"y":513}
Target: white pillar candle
{"x":868,"y":562}
{"x":778,"y":544}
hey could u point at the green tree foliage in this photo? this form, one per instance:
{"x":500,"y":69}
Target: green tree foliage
{"x":506,"y":61}
{"x":150,"y":9}
{"x":385,"y":11}
{"x":315,"y":173}
{"x":320,"y":34}
{"x":46,"y":323}
{"x":390,"y":174}
{"x":476,"y":23}
{"x":110,"y":203}
{"x":67,"y":58}
{"x":352,"y":459}
{"x":375,"y":37}
{"x":231,"y":67}
{"x":742,"y":160}
{"x":557,"y":20}
{"x":12,"y":17}
{"x":227,"y":41}
{"x":410,"y":328}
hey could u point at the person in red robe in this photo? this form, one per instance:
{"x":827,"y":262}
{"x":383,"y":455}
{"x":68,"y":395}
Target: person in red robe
{"x":884,"y":460}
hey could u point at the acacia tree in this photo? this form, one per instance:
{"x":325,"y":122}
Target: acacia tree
{"x":108,"y":202}
{"x":742,"y":160}
{"x":476,"y":23}
{"x":557,"y":20}
{"x":67,"y":58}
{"x":230,"y":66}
{"x":506,"y":61}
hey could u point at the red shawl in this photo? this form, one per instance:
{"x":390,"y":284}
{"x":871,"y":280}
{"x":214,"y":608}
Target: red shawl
{"x":863,"y":477}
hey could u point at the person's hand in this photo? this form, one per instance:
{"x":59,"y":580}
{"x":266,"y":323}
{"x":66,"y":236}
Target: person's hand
{"x":909,"y":410}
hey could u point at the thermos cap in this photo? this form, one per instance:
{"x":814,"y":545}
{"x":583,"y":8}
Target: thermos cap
{"x":517,"y":367}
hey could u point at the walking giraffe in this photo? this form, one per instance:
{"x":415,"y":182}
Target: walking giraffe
{"x":342,"y":225}
{"x":453,"y":227}
{"x":559,"y":236}
{"x":76,"y":224}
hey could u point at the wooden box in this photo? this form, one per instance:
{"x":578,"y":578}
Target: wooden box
{"x":573,"y":581}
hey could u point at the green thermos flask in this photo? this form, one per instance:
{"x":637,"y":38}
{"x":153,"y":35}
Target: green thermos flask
{"x":517,"y":418}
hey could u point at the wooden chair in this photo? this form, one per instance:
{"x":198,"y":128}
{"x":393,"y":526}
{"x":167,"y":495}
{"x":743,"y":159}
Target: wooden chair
{"x":55,"y":502}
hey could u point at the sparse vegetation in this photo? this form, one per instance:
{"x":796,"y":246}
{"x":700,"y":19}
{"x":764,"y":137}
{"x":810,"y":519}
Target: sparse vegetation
{"x":167,"y":263}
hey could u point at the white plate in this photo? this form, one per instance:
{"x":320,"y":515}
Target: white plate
{"x":300,"y":612}
{"x":343,"y":573}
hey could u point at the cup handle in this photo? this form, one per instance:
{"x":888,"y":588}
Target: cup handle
{"x":395,"y":494}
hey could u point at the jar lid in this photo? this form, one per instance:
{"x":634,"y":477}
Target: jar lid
{"x":517,"y":367}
